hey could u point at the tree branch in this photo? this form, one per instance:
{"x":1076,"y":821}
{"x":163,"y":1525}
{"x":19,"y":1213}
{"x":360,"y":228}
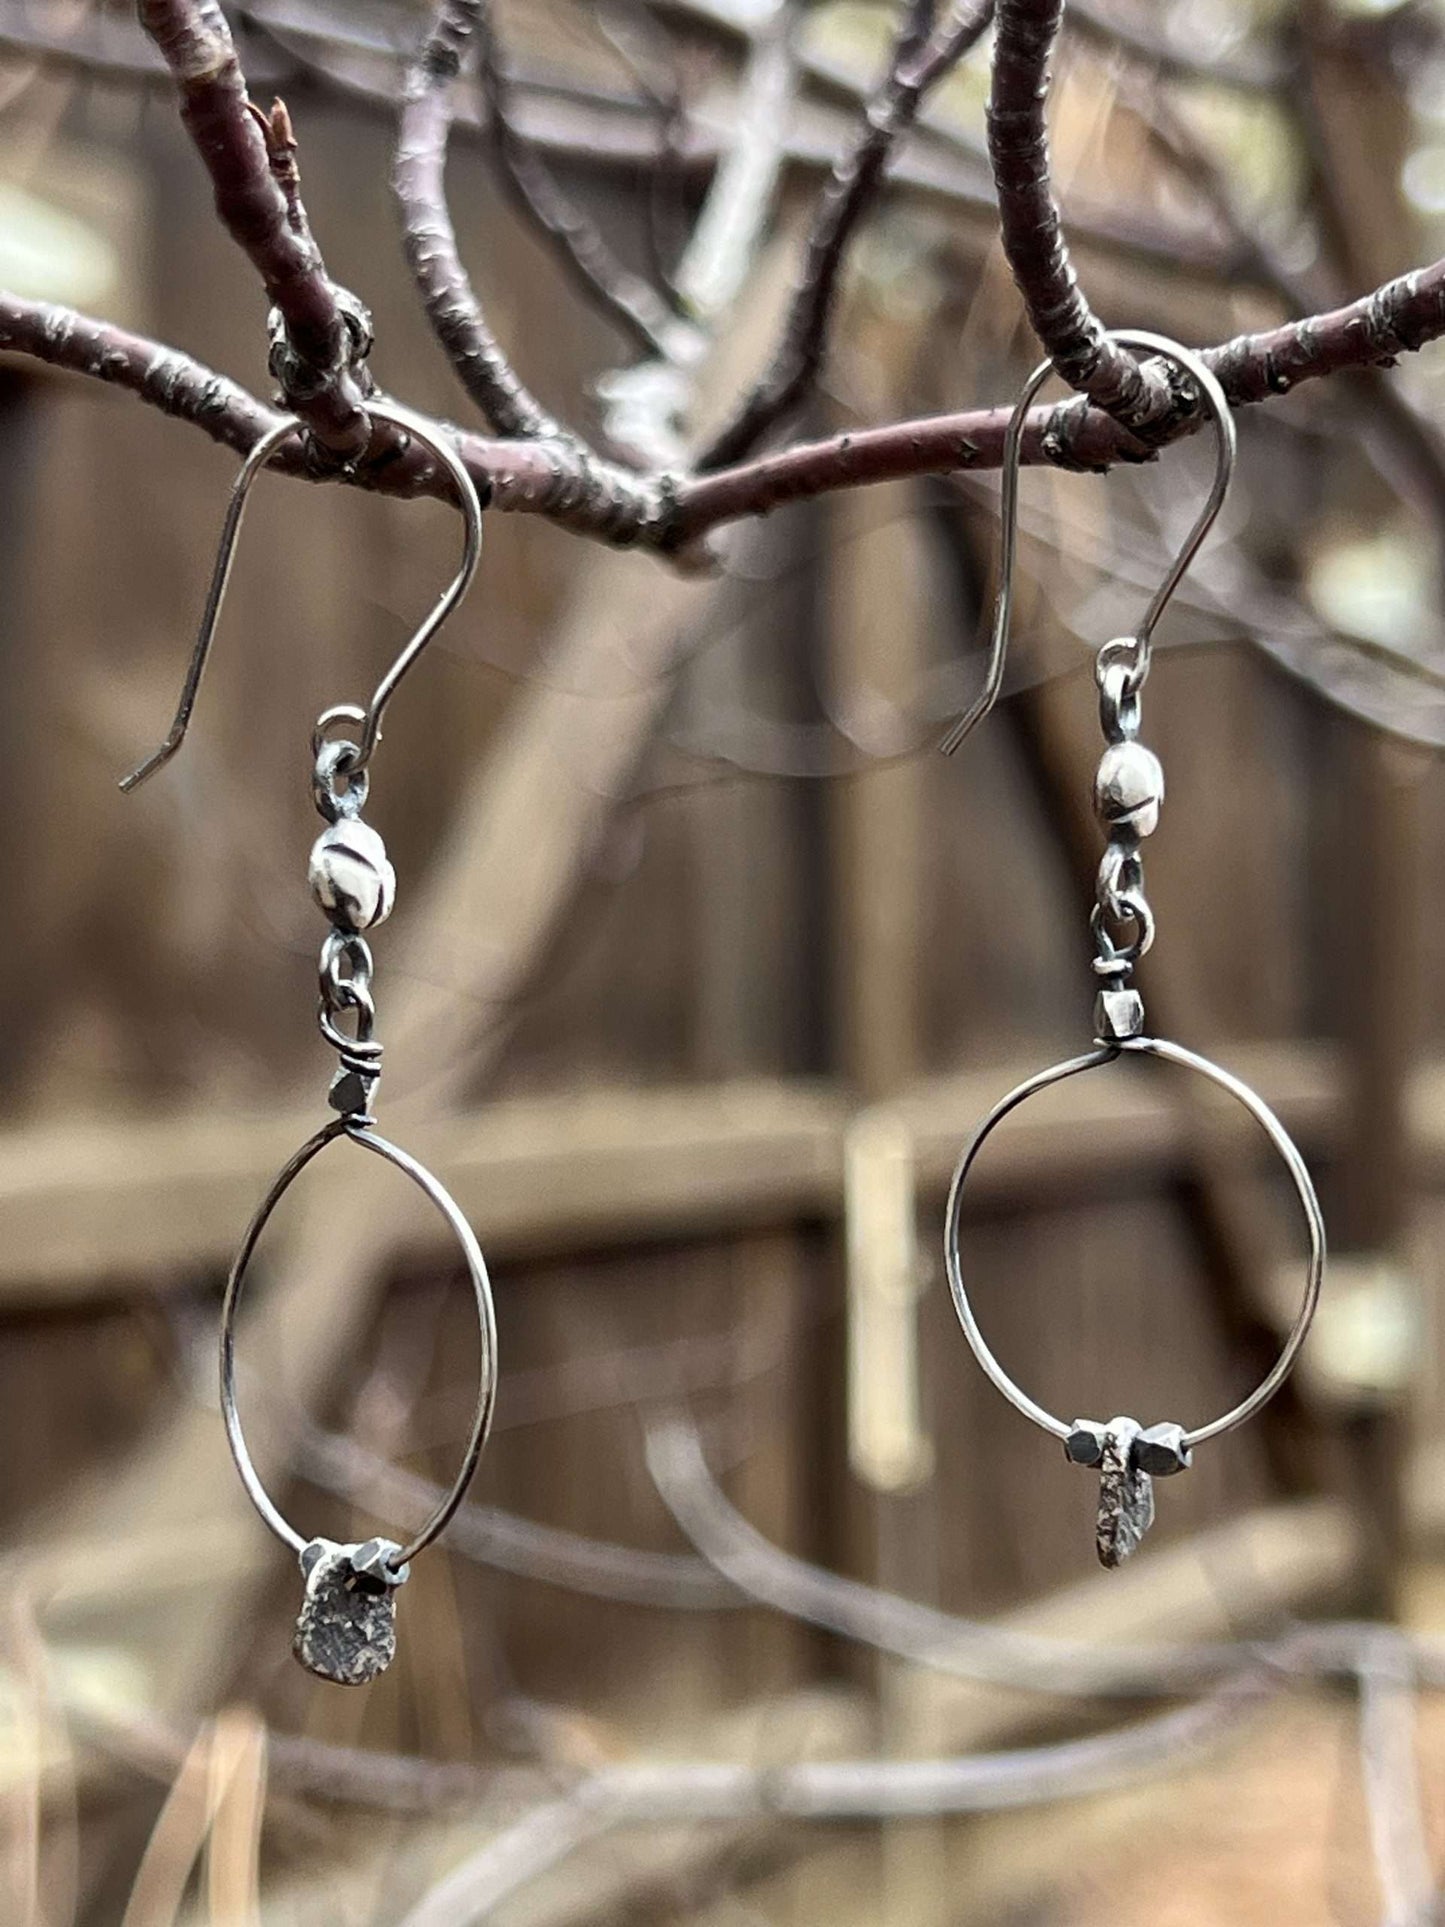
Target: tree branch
{"x":686,"y":1792}
{"x":578,"y":126}
{"x":1029,"y":224}
{"x":321,"y":340}
{"x":1374,"y":331}
{"x":550,"y":478}
{"x":913,"y":70}
{"x":430,"y":240}
{"x":1249,"y":70}
{"x":670,"y":514}
{"x":625,"y":297}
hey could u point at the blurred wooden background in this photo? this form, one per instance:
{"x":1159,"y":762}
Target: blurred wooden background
{"x":700,"y":1096}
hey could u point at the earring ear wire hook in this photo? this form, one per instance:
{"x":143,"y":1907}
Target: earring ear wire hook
{"x":1226,"y":448}
{"x":370,"y":718}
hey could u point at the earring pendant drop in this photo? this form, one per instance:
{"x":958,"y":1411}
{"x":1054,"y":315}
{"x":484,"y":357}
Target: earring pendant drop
{"x":1126,"y":1454}
{"x":346,"y":1628}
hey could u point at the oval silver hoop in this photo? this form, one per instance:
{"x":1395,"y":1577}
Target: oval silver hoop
{"x":432,"y":1188}
{"x":1274,"y":1131}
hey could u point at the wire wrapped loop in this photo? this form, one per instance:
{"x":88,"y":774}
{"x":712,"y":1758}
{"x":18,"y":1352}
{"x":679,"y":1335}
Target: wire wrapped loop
{"x":1120,"y":681}
{"x":1113,"y":957}
{"x":345,"y":974}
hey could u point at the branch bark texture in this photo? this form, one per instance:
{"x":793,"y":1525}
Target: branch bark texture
{"x":1032,"y":231}
{"x":670,"y":513}
{"x":919,"y":61}
{"x":316,"y":371}
{"x":430,"y":236}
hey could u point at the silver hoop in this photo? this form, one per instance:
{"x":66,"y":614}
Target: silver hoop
{"x":1278,"y":1137}
{"x":437,"y":1192}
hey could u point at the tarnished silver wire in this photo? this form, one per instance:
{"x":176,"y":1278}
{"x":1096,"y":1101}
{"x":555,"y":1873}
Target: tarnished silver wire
{"x":345,"y":971}
{"x":1223,"y":420}
{"x":1113,"y":955}
{"x":344,"y":1632}
{"x":433,"y":1189}
{"x":370,"y":718}
{"x":339,"y":785}
{"x":1129,"y":790}
{"x":1279,"y":1138}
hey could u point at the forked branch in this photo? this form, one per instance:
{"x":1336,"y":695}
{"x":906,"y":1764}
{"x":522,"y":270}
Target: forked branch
{"x":321,"y":342}
{"x":1125,"y":413}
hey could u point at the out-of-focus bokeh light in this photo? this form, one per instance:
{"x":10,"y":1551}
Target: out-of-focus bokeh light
{"x":49,"y":255}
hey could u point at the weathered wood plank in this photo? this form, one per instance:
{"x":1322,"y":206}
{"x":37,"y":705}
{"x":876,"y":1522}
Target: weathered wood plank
{"x":90,"y":1208}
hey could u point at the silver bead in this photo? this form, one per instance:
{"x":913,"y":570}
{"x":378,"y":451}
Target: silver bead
{"x":1161,"y":1450}
{"x":1085,"y":1443}
{"x":1118,"y":1013}
{"x":1129,"y":788}
{"x":351,"y":878}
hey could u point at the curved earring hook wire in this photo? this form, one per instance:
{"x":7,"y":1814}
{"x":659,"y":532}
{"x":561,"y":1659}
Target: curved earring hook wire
{"x":1226,"y":448}
{"x":256,"y":460}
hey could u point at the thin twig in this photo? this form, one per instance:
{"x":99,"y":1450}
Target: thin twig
{"x":1250,"y":70}
{"x":418,"y":177}
{"x":684,"y":1792}
{"x":591,"y":127}
{"x":647,"y":404}
{"x":638,"y":309}
{"x":635,"y":38}
{"x":970,"y":1649}
{"x":676,"y":1582}
{"x":724,"y":243}
{"x":913,"y":70}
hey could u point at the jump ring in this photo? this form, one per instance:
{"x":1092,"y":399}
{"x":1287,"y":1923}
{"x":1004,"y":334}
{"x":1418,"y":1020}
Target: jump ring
{"x":1120,"y":711}
{"x":335,"y":761}
{"x":1120,"y":883}
{"x":1110,"y":953}
{"x":1132,"y":654}
{"x":1279,"y":1139}
{"x":345,"y":947}
{"x":433,"y":1189}
{"x":363,"y":1043}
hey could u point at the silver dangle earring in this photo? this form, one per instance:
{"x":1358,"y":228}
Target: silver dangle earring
{"x":1128,"y":793}
{"x":346,"y":1631}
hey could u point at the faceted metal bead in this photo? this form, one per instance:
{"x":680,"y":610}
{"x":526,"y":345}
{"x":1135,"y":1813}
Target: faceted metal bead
{"x":1118,"y":1013}
{"x":1129,"y":788}
{"x":351,"y":877}
{"x":1161,"y":1451}
{"x":352,"y":1089}
{"x":346,"y":1630}
{"x":1085,"y":1443}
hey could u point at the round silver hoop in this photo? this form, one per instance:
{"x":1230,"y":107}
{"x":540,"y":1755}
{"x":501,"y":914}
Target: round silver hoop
{"x":433,"y":1189}
{"x":1278,"y":1137}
